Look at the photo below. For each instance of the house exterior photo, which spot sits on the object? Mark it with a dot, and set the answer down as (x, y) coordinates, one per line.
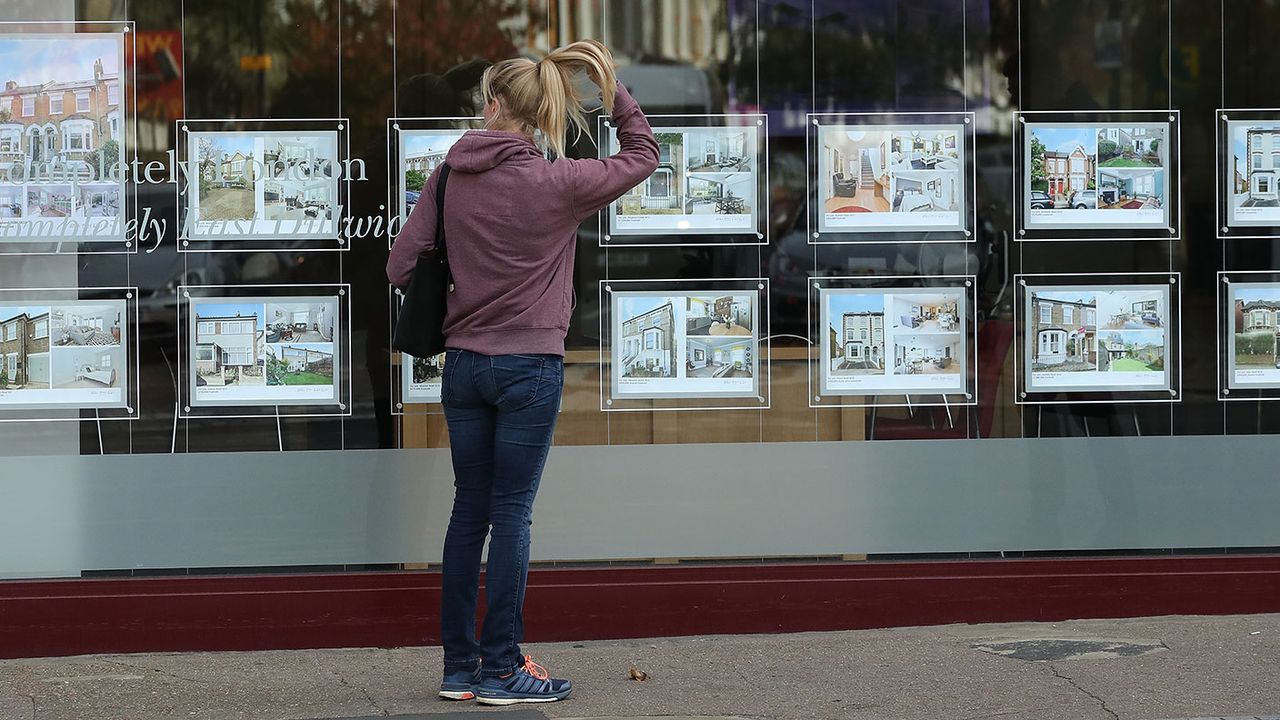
(24, 350)
(1063, 332)
(648, 343)
(1069, 172)
(59, 121)
(298, 359)
(425, 162)
(1258, 316)
(663, 189)
(862, 337)
(228, 342)
(233, 170)
(1263, 146)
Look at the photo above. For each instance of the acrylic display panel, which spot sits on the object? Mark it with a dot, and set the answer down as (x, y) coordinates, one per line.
(256, 350)
(684, 344)
(68, 349)
(891, 177)
(67, 138)
(1248, 178)
(263, 185)
(1248, 331)
(709, 188)
(415, 148)
(415, 382)
(892, 341)
(1098, 338)
(1097, 176)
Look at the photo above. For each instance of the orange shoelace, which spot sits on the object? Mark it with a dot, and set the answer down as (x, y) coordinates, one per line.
(535, 669)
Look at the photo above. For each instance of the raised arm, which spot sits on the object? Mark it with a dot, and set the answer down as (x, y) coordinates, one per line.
(417, 237)
(599, 182)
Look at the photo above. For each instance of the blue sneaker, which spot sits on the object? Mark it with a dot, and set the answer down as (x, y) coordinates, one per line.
(528, 684)
(460, 685)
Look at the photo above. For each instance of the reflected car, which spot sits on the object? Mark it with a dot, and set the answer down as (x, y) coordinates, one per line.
(1084, 199)
(1041, 201)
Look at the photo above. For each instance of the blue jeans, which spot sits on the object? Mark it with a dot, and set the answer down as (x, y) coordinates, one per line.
(502, 412)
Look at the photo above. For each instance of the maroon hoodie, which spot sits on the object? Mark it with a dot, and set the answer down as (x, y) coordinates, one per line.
(511, 224)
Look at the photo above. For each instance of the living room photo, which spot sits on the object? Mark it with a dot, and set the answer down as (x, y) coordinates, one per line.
(718, 315)
(855, 169)
(1133, 309)
(926, 312)
(87, 324)
(927, 354)
(720, 150)
(719, 358)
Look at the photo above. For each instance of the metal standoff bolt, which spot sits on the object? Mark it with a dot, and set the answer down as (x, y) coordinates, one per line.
(968, 396)
(817, 398)
(186, 294)
(399, 406)
(608, 288)
(128, 243)
(1173, 118)
(395, 125)
(1023, 394)
(608, 124)
(1173, 231)
(186, 129)
(342, 291)
(341, 241)
(1224, 116)
(126, 29)
(342, 406)
(759, 286)
(760, 398)
(967, 120)
(186, 243)
(1226, 391)
(759, 122)
(1173, 280)
(759, 236)
(815, 236)
(399, 292)
(814, 121)
(1226, 229)
(1022, 282)
(1173, 393)
(340, 126)
(186, 409)
(1226, 280)
(607, 238)
(817, 286)
(968, 283)
(129, 410)
(968, 233)
(1022, 120)
(1022, 231)
(609, 401)
(128, 296)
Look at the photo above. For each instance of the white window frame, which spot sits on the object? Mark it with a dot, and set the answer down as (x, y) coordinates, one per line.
(113, 93)
(1068, 315)
(82, 96)
(1046, 313)
(42, 329)
(55, 109)
(28, 106)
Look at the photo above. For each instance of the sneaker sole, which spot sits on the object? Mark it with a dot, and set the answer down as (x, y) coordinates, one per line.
(515, 701)
(457, 694)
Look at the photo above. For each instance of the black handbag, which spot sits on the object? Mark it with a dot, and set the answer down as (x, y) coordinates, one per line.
(420, 329)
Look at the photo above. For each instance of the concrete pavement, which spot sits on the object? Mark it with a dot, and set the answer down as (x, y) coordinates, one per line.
(1153, 668)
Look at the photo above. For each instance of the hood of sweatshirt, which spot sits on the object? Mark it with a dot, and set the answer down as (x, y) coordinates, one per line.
(480, 150)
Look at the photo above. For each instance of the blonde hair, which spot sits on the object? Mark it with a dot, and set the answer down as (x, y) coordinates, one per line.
(546, 95)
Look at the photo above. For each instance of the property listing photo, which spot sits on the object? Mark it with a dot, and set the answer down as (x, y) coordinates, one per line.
(855, 334)
(720, 150)
(300, 157)
(914, 150)
(925, 192)
(301, 322)
(50, 201)
(718, 194)
(646, 337)
(88, 368)
(722, 315)
(1062, 331)
(927, 354)
(226, 179)
(61, 105)
(1133, 309)
(421, 153)
(1131, 147)
(855, 170)
(1255, 165)
(927, 312)
(662, 193)
(12, 199)
(84, 324)
(230, 347)
(720, 358)
(1063, 168)
(24, 347)
(1130, 351)
(426, 370)
(300, 364)
(98, 200)
(1256, 322)
(1130, 189)
(298, 199)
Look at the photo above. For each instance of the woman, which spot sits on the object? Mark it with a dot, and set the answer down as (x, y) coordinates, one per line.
(511, 222)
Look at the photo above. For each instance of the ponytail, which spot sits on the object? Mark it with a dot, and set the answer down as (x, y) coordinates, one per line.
(546, 95)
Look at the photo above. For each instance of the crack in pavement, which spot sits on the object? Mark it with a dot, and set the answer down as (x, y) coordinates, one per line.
(367, 697)
(154, 670)
(1101, 703)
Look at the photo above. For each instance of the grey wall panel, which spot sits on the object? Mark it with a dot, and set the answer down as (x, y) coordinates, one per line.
(64, 514)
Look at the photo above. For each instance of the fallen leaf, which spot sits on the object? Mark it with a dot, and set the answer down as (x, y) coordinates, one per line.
(639, 675)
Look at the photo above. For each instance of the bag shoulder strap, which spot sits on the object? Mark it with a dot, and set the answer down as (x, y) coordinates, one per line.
(441, 183)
